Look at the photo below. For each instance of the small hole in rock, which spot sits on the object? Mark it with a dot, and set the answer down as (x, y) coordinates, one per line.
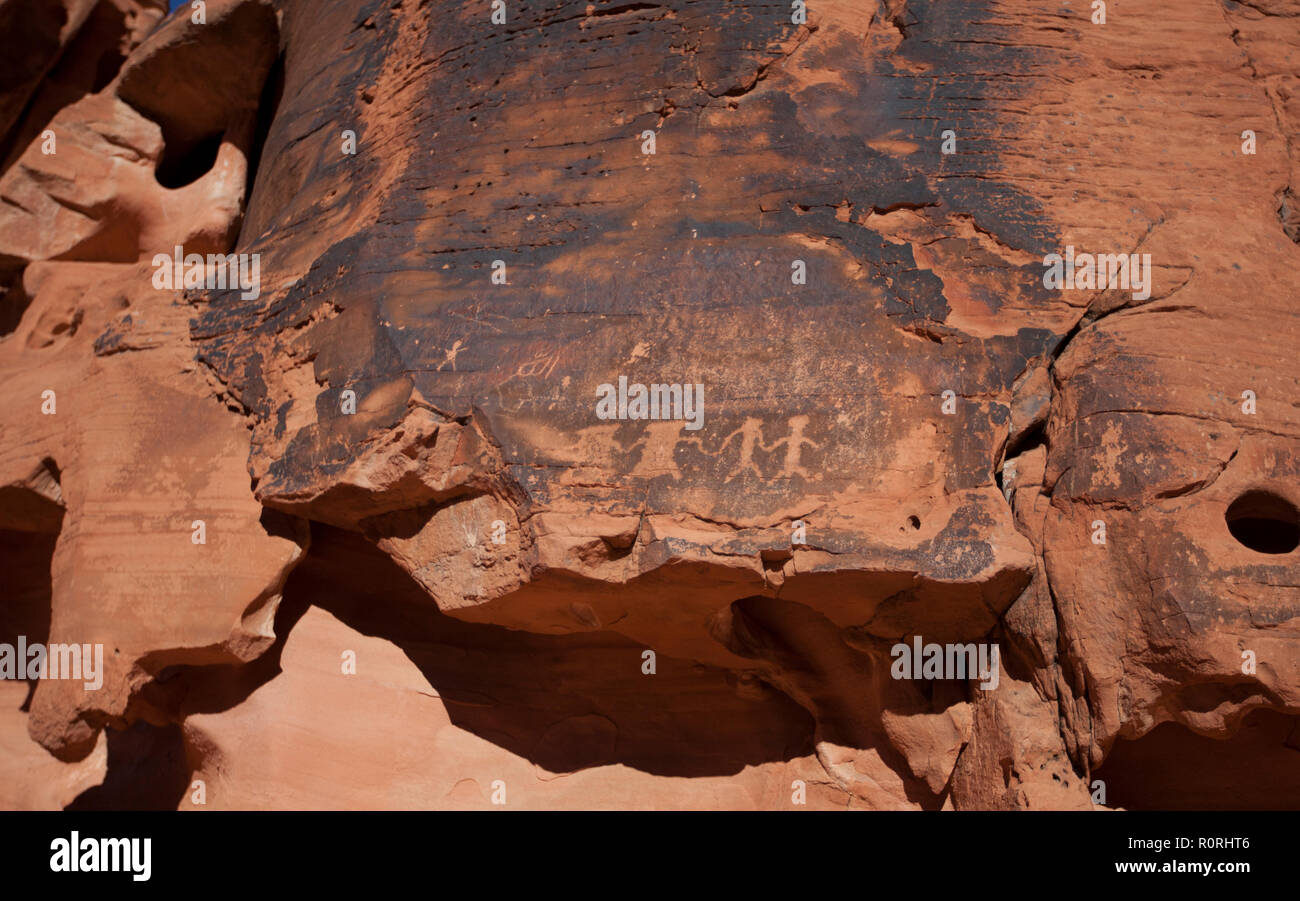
(13, 301)
(1264, 522)
(914, 522)
(185, 162)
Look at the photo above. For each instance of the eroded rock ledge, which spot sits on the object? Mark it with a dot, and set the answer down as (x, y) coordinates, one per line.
(416, 527)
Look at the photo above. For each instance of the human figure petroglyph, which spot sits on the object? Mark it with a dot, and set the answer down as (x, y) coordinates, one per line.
(794, 447)
(658, 450)
(751, 434)
(751, 437)
(451, 354)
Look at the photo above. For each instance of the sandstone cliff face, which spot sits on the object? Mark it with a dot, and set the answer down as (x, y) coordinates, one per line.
(358, 535)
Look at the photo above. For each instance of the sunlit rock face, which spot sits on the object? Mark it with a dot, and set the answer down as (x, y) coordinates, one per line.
(884, 405)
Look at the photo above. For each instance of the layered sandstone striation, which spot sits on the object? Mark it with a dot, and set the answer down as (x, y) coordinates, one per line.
(353, 534)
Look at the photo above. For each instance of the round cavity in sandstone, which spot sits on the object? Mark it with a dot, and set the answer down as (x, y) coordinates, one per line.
(1264, 522)
(186, 161)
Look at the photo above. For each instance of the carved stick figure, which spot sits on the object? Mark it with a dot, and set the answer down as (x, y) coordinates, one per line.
(751, 434)
(451, 356)
(793, 447)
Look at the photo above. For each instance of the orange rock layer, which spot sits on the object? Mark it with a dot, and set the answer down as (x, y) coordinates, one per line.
(366, 514)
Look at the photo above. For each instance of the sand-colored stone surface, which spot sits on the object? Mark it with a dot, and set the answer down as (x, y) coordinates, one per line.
(431, 564)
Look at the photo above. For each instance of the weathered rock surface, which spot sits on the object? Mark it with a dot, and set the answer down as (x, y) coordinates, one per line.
(130, 446)
(433, 576)
(57, 52)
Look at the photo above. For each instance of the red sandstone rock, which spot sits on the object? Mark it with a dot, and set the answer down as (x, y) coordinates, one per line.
(417, 523)
(58, 51)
